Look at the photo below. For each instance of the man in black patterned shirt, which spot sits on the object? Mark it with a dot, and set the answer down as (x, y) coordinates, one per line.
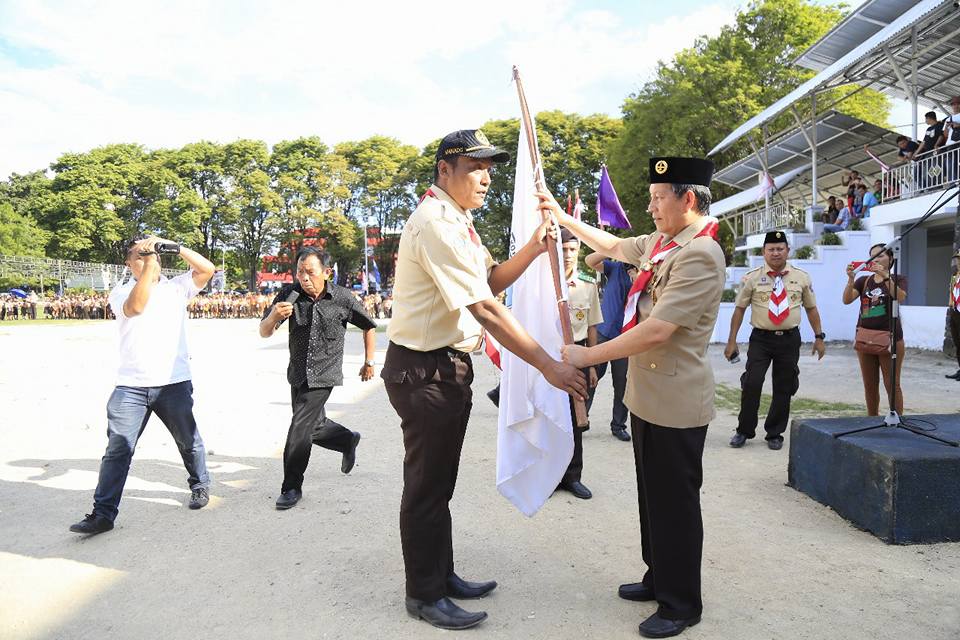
(320, 317)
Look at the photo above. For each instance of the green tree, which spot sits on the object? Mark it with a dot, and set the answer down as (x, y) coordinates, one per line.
(708, 90)
(200, 166)
(19, 233)
(254, 203)
(573, 148)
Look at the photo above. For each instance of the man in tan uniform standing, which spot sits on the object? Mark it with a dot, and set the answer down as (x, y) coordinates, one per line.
(774, 294)
(444, 299)
(583, 300)
(670, 315)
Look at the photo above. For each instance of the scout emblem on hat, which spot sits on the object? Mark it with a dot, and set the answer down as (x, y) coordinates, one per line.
(681, 171)
(774, 237)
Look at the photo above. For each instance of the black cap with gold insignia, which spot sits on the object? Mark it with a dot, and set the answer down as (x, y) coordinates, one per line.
(471, 143)
(681, 171)
(775, 237)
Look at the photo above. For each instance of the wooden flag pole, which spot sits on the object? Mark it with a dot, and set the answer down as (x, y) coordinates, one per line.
(580, 408)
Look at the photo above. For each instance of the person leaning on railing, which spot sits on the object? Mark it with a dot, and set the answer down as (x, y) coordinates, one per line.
(875, 292)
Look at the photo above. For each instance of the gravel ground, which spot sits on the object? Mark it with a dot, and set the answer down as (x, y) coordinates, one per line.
(776, 563)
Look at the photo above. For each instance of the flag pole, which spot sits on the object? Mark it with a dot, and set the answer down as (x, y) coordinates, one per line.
(580, 408)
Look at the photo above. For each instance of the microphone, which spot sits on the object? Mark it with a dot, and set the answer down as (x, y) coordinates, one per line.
(292, 298)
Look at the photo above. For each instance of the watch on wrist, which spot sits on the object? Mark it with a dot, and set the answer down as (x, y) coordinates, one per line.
(369, 363)
(820, 336)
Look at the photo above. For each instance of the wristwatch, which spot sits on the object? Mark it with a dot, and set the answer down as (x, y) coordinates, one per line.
(820, 336)
(369, 363)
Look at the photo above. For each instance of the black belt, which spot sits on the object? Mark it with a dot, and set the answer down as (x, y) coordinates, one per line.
(448, 351)
(780, 332)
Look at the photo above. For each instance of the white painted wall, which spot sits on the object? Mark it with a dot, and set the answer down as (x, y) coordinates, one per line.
(922, 326)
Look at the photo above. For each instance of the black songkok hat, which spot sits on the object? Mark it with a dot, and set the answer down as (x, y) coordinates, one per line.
(681, 171)
(471, 143)
(775, 237)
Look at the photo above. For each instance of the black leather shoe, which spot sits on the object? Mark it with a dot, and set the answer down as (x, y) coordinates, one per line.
(636, 591)
(444, 614)
(577, 488)
(350, 455)
(462, 589)
(775, 444)
(621, 434)
(92, 524)
(199, 498)
(289, 498)
(738, 440)
(657, 627)
(953, 376)
(494, 395)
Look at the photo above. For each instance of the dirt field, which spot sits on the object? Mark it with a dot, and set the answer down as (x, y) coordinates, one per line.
(776, 564)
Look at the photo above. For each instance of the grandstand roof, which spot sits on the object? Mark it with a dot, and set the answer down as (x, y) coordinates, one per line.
(883, 62)
(860, 24)
(840, 140)
(754, 194)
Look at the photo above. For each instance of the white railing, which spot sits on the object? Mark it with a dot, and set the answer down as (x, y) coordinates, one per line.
(85, 274)
(779, 216)
(930, 172)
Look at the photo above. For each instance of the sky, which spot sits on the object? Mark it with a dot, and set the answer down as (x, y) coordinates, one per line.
(76, 75)
(80, 74)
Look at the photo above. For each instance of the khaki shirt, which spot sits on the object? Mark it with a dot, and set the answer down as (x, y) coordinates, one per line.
(755, 289)
(584, 304)
(440, 272)
(671, 385)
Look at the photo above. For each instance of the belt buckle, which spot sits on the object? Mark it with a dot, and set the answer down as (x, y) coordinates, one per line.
(779, 333)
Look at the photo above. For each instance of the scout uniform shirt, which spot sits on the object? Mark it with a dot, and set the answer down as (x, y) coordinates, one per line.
(584, 304)
(442, 267)
(671, 385)
(755, 290)
(955, 292)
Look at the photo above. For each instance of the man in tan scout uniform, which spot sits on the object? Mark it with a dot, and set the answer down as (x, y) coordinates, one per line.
(953, 312)
(774, 294)
(583, 300)
(444, 299)
(670, 316)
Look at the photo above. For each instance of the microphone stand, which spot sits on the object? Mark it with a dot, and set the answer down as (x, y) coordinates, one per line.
(894, 419)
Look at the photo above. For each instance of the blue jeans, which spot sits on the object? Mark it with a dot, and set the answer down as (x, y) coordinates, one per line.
(833, 228)
(128, 410)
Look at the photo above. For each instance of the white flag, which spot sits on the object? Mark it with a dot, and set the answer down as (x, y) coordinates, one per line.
(534, 435)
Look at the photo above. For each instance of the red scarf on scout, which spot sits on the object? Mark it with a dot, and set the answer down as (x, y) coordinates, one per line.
(778, 308)
(955, 295)
(630, 312)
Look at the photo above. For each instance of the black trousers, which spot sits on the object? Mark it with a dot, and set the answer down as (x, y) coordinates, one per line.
(953, 317)
(618, 372)
(783, 352)
(430, 391)
(669, 475)
(575, 468)
(309, 424)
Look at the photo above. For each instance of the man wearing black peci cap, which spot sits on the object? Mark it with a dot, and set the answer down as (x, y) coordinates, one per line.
(669, 317)
(444, 299)
(774, 293)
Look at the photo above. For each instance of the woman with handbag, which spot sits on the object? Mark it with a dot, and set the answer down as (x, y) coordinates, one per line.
(872, 342)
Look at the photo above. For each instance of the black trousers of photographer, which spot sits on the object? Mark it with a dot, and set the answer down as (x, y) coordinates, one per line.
(310, 426)
(782, 350)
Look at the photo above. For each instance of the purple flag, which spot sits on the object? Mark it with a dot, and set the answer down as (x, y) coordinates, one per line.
(609, 210)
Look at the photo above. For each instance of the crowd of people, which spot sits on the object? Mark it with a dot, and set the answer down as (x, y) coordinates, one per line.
(229, 305)
(75, 306)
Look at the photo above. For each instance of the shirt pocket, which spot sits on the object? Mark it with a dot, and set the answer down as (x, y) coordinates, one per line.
(660, 364)
(795, 294)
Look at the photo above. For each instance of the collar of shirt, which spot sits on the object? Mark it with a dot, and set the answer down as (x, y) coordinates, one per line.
(689, 232)
(767, 268)
(442, 195)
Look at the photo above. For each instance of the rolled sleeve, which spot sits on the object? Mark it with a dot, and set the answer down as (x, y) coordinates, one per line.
(458, 271)
(692, 288)
(745, 295)
(808, 298)
(359, 317)
(632, 249)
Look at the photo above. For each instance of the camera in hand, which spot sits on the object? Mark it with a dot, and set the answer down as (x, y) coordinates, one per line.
(163, 248)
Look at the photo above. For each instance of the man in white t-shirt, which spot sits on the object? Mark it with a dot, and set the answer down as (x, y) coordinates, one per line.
(950, 141)
(153, 376)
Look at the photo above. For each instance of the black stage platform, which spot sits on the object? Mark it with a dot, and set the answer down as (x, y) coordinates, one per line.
(902, 487)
